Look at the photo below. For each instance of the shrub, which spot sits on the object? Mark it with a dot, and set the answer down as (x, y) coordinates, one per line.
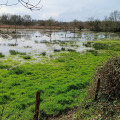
(56, 50)
(62, 49)
(1, 55)
(4, 66)
(27, 57)
(71, 50)
(13, 52)
(109, 76)
(43, 53)
(88, 44)
(101, 46)
(17, 70)
(107, 45)
(94, 52)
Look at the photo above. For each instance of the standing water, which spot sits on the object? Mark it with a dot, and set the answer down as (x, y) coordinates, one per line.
(38, 41)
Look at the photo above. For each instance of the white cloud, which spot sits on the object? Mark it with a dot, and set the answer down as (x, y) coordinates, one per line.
(66, 9)
(50, 14)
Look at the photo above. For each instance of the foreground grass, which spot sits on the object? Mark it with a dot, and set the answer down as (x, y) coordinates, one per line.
(102, 109)
(62, 82)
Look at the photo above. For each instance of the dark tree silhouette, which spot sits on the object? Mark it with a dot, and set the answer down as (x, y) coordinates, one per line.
(26, 3)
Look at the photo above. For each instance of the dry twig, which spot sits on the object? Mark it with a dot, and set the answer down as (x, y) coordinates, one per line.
(26, 4)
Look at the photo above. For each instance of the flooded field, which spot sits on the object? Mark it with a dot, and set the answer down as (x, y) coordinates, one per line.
(32, 60)
(36, 42)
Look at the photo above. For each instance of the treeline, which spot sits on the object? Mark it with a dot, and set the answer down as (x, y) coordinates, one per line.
(26, 20)
(7, 19)
(109, 24)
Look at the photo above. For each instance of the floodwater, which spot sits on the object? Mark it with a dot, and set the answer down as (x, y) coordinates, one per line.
(37, 41)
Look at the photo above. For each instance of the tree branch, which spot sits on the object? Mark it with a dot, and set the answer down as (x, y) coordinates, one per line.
(27, 4)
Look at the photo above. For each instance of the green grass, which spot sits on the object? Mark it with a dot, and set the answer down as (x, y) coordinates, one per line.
(107, 45)
(62, 82)
(104, 44)
(103, 109)
(94, 52)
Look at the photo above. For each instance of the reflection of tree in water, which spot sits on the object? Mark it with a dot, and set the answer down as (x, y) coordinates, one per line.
(5, 36)
(15, 36)
(27, 37)
(106, 36)
(50, 34)
(42, 32)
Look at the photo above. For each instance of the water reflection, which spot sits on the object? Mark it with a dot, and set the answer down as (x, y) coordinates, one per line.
(37, 41)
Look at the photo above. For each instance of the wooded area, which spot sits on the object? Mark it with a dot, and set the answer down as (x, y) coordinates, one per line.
(109, 24)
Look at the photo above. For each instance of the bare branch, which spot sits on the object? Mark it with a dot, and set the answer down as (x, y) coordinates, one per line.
(27, 4)
(6, 4)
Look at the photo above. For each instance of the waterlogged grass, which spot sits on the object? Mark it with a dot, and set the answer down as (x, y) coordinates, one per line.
(107, 45)
(104, 44)
(62, 82)
(13, 52)
(27, 57)
(103, 109)
(1, 55)
(43, 53)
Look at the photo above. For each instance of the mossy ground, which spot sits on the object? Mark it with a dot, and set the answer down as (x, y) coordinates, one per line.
(63, 83)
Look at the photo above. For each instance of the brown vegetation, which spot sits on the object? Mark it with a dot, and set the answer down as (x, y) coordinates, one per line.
(109, 77)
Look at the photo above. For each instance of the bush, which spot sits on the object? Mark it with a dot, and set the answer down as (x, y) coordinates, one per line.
(109, 76)
(27, 57)
(13, 52)
(62, 49)
(101, 46)
(17, 70)
(1, 55)
(88, 44)
(56, 50)
(71, 50)
(94, 52)
(43, 53)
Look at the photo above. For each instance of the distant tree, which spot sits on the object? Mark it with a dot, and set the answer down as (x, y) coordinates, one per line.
(115, 16)
(97, 25)
(14, 19)
(90, 23)
(74, 24)
(106, 24)
(4, 19)
(115, 21)
(109, 24)
(27, 20)
(81, 25)
(50, 22)
(41, 22)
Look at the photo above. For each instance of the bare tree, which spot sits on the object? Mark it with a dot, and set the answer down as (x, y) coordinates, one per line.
(26, 3)
(115, 16)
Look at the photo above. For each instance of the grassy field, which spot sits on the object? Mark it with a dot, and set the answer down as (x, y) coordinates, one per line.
(63, 83)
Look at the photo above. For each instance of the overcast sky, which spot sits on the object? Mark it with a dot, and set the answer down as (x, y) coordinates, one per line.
(66, 10)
